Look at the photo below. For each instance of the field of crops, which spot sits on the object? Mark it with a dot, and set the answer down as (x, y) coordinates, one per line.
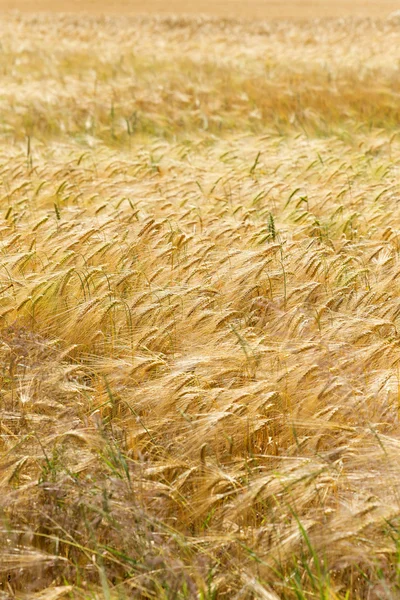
(199, 308)
(250, 9)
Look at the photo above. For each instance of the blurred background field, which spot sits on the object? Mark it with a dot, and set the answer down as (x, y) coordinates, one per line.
(250, 9)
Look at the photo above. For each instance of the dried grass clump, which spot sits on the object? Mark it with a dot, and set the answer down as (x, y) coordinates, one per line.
(199, 310)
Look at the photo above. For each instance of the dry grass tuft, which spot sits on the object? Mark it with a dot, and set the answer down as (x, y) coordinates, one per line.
(199, 309)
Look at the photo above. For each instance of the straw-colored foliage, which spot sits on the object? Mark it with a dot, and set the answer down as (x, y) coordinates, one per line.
(199, 309)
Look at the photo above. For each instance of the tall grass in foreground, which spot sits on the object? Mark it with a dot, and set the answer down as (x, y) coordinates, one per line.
(199, 310)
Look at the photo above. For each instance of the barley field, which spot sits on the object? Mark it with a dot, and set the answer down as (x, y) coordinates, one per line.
(199, 308)
(250, 9)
